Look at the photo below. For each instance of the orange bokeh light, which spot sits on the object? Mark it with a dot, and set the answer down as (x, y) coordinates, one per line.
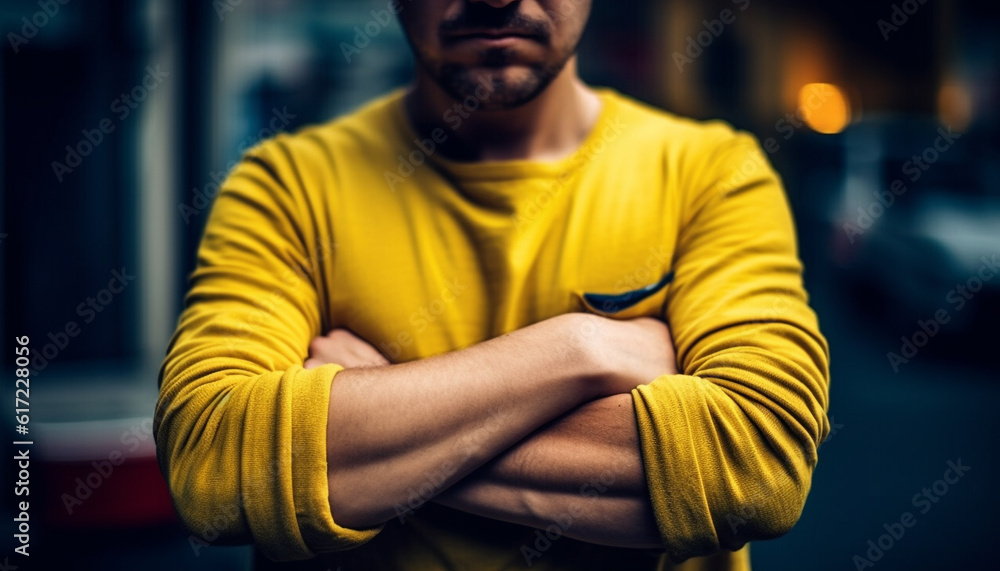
(824, 107)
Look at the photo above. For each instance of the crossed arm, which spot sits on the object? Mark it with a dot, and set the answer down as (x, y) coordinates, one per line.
(533, 427)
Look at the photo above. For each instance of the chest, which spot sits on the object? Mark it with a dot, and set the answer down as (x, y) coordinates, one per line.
(428, 277)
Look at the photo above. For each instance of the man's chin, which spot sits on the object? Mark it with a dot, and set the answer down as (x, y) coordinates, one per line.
(497, 88)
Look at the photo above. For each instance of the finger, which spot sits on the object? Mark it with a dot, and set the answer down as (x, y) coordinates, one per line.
(369, 354)
(340, 332)
(311, 364)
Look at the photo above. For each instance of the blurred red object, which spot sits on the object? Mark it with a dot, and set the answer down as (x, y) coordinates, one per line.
(100, 474)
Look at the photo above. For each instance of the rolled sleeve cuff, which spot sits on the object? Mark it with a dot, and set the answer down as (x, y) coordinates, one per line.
(300, 486)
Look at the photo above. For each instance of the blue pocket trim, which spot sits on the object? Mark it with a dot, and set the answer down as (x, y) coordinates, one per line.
(613, 303)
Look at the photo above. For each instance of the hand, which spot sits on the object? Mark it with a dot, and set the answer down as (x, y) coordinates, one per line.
(633, 352)
(344, 348)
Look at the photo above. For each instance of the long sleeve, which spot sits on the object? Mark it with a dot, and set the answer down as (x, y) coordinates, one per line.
(240, 425)
(729, 445)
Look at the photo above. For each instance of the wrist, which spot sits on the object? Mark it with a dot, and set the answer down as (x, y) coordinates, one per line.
(584, 361)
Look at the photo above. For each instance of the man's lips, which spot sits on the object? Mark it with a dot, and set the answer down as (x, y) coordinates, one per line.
(491, 35)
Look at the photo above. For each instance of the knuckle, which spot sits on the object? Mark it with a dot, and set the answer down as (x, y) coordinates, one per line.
(340, 335)
(316, 344)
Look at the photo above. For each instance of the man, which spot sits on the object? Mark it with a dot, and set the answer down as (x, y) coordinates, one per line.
(495, 255)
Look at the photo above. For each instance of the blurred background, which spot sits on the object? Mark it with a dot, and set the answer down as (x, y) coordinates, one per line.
(119, 118)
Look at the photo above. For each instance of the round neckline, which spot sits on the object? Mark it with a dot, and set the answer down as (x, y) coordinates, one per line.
(513, 168)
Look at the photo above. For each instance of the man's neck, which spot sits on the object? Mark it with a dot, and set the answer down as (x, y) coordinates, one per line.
(549, 127)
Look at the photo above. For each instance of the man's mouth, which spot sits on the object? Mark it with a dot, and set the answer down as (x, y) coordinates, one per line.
(491, 35)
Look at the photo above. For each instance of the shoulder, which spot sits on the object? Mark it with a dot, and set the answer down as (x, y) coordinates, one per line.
(703, 159)
(341, 141)
(681, 138)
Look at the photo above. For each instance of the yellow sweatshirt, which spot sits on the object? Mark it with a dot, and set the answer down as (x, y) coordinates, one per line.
(359, 223)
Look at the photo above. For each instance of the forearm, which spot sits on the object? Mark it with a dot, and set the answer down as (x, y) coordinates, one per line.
(582, 473)
(392, 430)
